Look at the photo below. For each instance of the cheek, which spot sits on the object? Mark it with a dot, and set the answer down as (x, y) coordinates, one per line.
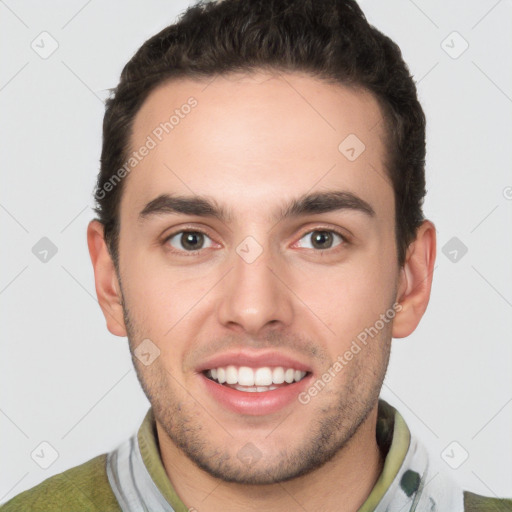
(163, 300)
(156, 286)
(351, 296)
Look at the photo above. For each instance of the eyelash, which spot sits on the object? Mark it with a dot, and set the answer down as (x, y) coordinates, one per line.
(343, 243)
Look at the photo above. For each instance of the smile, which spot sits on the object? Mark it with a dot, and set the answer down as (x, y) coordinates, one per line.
(244, 378)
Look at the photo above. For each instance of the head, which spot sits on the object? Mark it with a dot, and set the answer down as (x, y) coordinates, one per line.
(286, 139)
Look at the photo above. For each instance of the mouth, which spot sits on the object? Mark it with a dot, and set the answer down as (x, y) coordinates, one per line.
(255, 380)
(254, 391)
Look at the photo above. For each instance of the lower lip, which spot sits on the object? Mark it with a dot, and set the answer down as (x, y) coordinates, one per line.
(257, 403)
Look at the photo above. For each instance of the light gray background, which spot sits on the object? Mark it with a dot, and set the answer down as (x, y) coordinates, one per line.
(67, 381)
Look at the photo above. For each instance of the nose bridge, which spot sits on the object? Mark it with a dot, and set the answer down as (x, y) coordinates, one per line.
(254, 297)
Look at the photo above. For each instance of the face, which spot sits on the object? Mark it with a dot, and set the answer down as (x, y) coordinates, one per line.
(254, 250)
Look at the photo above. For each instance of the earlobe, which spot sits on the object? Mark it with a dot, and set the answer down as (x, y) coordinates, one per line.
(105, 278)
(416, 280)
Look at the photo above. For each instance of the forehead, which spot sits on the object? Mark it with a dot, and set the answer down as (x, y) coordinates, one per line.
(258, 138)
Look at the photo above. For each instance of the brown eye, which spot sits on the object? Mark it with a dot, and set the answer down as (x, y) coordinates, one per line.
(322, 239)
(189, 240)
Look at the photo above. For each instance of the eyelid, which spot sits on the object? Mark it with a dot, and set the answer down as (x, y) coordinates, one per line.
(191, 226)
(343, 232)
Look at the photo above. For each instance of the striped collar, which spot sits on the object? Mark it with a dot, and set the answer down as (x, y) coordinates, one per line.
(408, 482)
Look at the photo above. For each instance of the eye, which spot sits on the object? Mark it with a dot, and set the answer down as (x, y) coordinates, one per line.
(323, 239)
(189, 241)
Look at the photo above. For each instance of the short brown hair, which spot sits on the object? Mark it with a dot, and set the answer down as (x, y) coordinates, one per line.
(328, 39)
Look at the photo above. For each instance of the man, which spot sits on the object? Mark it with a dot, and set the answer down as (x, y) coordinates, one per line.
(260, 239)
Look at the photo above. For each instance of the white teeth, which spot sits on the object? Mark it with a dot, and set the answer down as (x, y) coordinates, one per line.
(231, 375)
(289, 375)
(247, 389)
(255, 378)
(263, 376)
(278, 375)
(245, 376)
(253, 389)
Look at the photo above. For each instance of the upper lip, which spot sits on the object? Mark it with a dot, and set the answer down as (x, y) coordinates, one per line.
(253, 360)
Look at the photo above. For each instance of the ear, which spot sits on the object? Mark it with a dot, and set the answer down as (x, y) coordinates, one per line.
(105, 278)
(415, 280)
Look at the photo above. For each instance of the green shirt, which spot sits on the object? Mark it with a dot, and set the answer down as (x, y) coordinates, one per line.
(87, 487)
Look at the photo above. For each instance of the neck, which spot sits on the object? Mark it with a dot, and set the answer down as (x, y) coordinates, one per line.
(347, 479)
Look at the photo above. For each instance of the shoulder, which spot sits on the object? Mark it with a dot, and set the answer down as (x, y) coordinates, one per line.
(476, 503)
(84, 487)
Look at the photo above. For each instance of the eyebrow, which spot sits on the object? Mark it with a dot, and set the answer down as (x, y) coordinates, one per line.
(315, 203)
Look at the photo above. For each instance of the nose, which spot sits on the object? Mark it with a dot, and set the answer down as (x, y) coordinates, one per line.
(254, 295)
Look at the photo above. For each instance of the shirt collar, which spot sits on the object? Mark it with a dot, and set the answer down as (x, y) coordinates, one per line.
(393, 438)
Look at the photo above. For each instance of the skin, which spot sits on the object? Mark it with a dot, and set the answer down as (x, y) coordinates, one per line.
(253, 143)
